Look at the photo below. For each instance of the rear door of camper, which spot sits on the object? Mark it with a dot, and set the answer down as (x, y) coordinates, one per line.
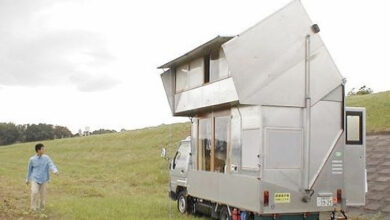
(355, 156)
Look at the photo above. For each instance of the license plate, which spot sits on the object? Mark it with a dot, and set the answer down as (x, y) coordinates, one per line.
(324, 201)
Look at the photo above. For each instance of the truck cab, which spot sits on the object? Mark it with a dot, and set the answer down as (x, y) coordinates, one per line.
(179, 168)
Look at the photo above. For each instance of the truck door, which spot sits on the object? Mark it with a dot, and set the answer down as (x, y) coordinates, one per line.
(181, 160)
(355, 177)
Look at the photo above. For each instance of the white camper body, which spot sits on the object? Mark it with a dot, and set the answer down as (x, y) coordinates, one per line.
(270, 132)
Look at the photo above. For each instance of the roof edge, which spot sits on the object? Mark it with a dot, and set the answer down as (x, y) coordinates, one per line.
(198, 51)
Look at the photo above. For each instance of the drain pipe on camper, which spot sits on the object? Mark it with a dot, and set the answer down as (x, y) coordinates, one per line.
(307, 118)
(307, 122)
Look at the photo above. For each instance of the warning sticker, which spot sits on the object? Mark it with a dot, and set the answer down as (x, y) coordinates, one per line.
(282, 198)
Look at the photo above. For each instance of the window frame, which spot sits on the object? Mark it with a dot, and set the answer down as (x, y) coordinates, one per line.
(211, 116)
(217, 54)
(228, 140)
(187, 86)
(360, 115)
(206, 72)
(199, 147)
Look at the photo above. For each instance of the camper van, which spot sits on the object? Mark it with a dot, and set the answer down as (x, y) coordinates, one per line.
(271, 137)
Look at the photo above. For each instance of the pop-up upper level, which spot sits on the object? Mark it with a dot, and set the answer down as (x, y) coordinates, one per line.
(271, 63)
(199, 79)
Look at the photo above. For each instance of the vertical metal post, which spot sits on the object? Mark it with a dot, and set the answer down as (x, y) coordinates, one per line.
(307, 116)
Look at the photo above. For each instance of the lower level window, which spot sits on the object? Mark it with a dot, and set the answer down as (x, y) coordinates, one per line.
(204, 160)
(222, 129)
(214, 135)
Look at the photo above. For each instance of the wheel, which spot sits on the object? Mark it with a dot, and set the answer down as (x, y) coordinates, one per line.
(224, 214)
(182, 203)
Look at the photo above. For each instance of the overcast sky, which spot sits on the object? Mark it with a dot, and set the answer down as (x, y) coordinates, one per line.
(92, 63)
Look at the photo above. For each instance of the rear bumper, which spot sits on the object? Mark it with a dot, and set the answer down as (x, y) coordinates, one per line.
(312, 216)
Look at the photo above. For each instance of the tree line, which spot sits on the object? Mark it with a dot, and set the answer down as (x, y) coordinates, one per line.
(11, 133)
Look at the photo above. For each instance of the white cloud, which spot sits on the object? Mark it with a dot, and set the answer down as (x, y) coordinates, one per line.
(35, 55)
(88, 83)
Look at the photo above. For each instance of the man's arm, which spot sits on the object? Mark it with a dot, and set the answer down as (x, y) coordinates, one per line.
(52, 167)
(29, 170)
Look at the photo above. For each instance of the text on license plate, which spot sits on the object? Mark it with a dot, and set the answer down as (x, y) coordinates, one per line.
(324, 201)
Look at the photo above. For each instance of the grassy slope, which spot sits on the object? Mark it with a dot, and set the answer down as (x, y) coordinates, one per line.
(115, 176)
(378, 110)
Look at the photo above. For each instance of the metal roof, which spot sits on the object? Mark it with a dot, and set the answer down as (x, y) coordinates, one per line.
(202, 50)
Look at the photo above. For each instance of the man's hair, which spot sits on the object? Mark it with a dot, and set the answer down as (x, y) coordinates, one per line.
(38, 147)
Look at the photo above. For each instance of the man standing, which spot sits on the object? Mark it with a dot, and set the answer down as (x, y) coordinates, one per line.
(38, 174)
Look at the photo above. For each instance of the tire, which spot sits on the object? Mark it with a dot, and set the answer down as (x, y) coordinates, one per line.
(224, 214)
(182, 202)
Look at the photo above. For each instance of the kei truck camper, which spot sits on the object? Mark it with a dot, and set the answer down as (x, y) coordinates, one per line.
(271, 137)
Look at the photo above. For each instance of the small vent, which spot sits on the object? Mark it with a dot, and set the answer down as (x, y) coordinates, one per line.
(337, 167)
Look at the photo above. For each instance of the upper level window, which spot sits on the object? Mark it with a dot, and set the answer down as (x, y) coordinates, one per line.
(203, 70)
(354, 128)
(218, 65)
(189, 75)
(181, 78)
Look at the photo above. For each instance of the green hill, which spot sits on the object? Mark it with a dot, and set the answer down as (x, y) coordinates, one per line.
(113, 176)
(377, 109)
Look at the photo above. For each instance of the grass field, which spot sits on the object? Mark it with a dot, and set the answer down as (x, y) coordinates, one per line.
(114, 176)
(378, 110)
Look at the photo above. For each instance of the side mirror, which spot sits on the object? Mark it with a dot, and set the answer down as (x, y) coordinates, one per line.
(163, 153)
